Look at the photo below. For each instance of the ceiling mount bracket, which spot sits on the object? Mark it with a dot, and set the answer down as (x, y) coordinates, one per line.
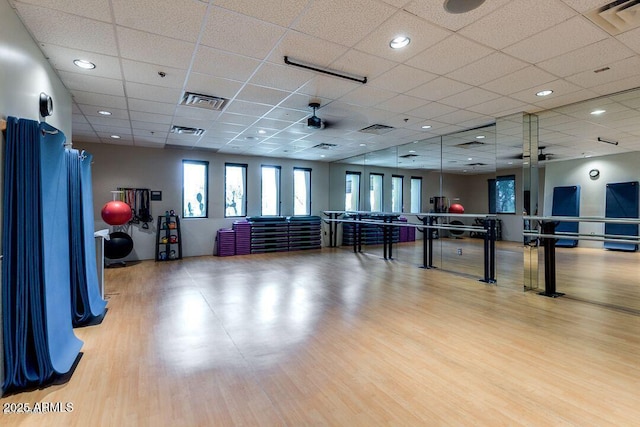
(362, 80)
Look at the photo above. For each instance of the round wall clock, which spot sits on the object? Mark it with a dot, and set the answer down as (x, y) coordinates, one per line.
(46, 105)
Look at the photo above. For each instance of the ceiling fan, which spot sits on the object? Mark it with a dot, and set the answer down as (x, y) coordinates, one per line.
(542, 156)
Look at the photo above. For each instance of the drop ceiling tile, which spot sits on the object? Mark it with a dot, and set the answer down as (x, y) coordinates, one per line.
(570, 98)
(328, 87)
(631, 39)
(209, 85)
(559, 87)
(104, 101)
(151, 134)
(402, 78)
(360, 64)
(402, 103)
(459, 116)
(142, 72)
(70, 30)
(151, 117)
(92, 110)
(272, 124)
(517, 81)
(82, 128)
(86, 138)
(431, 110)
(303, 48)
(150, 127)
(487, 69)
(197, 113)
(280, 12)
(89, 83)
(262, 95)
(62, 59)
(112, 130)
(439, 60)
(367, 96)
(94, 9)
(233, 32)
(617, 86)
(341, 22)
(153, 93)
(619, 70)
(468, 98)
(78, 119)
(517, 20)
(151, 106)
(499, 107)
(439, 88)
(227, 65)
(434, 12)
(286, 114)
(554, 41)
(179, 19)
(142, 46)
(280, 77)
(422, 34)
(588, 58)
(585, 5)
(248, 109)
(147, 142)
(233, 118)
(108, 122)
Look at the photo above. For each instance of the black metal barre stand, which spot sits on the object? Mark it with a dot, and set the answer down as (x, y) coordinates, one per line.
(427, 241)
(549, 244)
(489, 251)
(333, 227)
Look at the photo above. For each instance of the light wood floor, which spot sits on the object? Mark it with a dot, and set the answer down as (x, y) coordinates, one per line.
(333, 338)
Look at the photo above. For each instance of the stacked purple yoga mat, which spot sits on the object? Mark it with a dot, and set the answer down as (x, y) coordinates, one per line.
(226, 242)
(243, 237)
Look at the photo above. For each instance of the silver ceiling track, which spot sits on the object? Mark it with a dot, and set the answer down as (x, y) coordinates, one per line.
(362, 80)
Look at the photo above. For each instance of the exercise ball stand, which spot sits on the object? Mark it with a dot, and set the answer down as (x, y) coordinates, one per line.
(118, 244)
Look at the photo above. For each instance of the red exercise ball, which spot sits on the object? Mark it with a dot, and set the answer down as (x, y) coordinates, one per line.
(456, 208)
(116, 213)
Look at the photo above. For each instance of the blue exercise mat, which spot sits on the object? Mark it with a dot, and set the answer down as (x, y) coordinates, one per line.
(621, 202)
(86, 302)
(38, 336)
(566, 202)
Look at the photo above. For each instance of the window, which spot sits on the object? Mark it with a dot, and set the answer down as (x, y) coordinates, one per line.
(416, 194)
(195, 175)
(301, 191)
(235, 189)
(270, 190)
(502, 194)
(396, 193)
(352, 193)
(375, 192)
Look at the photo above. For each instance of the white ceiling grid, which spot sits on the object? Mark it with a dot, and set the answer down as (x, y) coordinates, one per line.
(459, 71)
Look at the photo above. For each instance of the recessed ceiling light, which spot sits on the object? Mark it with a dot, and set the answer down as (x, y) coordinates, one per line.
(399, 42)
(598, 112)
(115, 136)
(104, 113)
(322, 155)
(363, 145)
(480, 137)
(469, 158)
(86, 65)
(464, 170)
(262, 131)
(426, 127)
(510, 163)
(545, 92)
(412, 151)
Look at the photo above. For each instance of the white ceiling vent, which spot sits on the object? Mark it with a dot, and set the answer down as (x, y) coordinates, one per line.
(199, 100)
(377, 129)
(183, 130)
(617, 17)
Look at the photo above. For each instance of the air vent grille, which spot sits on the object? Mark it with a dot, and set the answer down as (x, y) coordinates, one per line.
(617, 17)
(377, 129)
(408, 156)
(199, 100)
(476, 164)
(325, 146)
(183, 130)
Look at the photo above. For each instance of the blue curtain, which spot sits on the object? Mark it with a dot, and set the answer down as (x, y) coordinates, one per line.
(38, 336)
(87, 305)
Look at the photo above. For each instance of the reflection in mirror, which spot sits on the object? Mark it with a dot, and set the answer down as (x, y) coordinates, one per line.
(574, 141)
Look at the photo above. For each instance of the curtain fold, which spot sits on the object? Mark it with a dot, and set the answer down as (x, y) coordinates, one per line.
(37, 331)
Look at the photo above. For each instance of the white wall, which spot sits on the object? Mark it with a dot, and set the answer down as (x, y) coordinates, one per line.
(613, 168)
(161, 169)
(24, 73)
